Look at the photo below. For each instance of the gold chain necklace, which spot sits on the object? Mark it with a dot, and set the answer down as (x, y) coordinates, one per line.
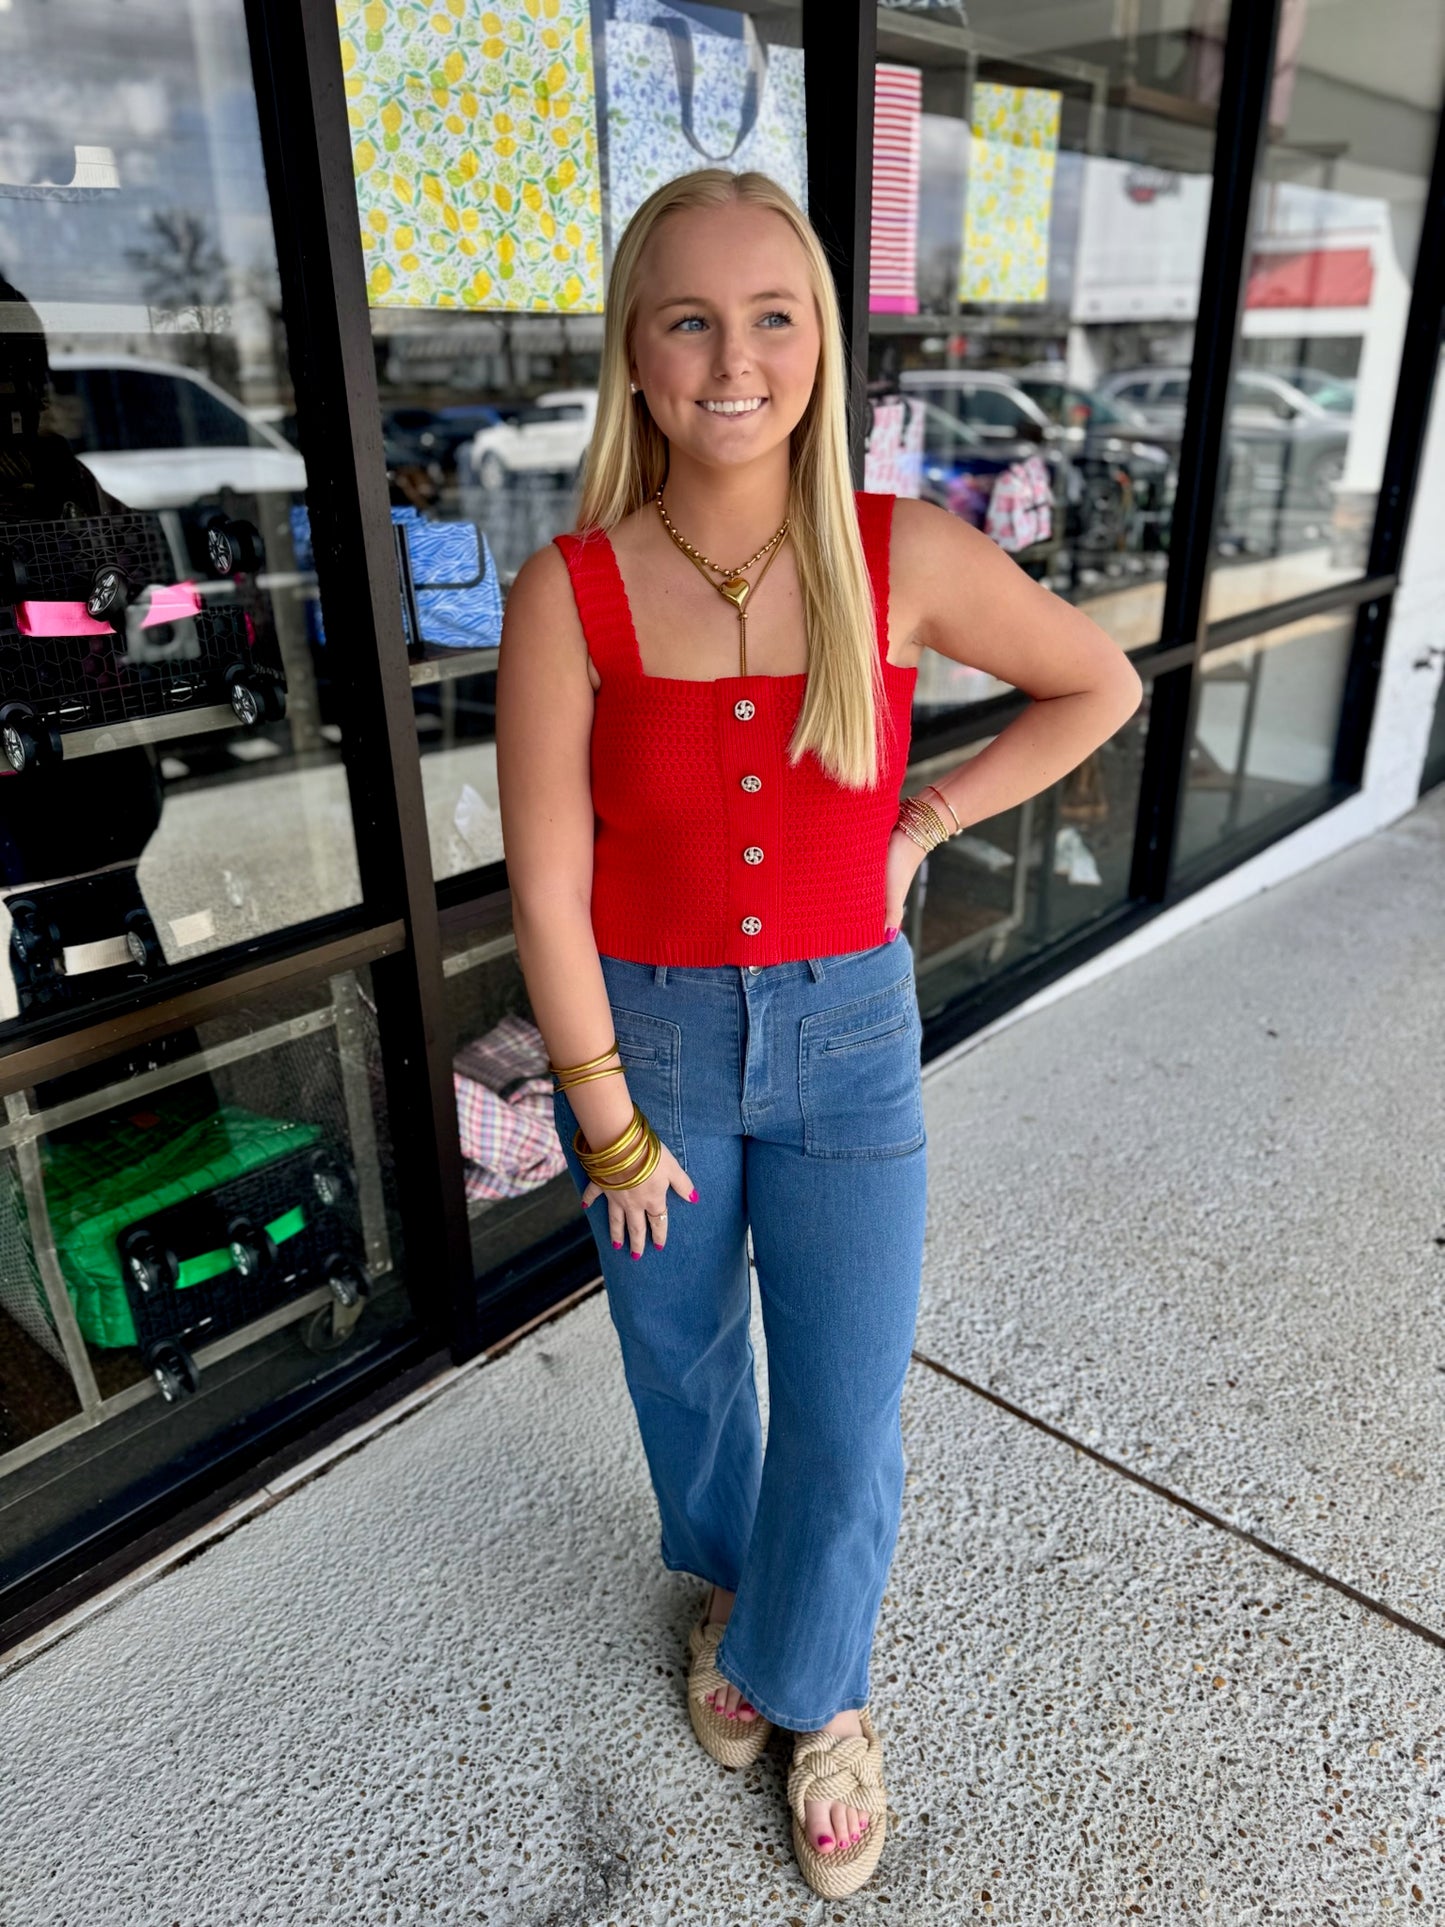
(736, 586)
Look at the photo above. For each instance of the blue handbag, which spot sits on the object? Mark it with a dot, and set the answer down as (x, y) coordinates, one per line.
(451, 594)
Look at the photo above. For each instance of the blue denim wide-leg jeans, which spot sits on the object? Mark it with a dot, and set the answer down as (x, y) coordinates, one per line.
(791, 1095)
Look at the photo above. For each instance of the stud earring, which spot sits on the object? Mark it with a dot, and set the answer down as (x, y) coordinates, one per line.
(634, 388)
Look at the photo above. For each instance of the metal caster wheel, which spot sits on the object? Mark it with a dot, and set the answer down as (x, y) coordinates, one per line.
(110, 592)
(173, 1369)
(232, 548)
(142, 941)
(151, 1265)
(24, 740)
(253, 1249)
(331, 1180)
(328, 1329)
(247, 702)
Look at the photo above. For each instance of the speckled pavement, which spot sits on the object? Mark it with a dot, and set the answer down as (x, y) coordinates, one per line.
(444, 1681)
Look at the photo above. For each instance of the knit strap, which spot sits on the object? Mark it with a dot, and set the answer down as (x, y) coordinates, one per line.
(601, 598)
(875, 526)
(830, 1766)
(601, 594)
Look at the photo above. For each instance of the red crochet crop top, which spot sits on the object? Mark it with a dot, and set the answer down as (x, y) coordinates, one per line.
(709, 847)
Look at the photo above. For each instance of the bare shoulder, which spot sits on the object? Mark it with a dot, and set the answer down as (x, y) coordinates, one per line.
(919, 543)
(966, 599)
(542, 610)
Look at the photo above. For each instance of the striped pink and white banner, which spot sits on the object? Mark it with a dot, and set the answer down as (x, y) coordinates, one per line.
(897, 105)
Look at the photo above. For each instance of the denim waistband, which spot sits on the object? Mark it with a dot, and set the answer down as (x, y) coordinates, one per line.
(779, 973)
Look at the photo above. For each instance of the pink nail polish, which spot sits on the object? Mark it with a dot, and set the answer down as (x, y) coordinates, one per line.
(694, 1194)
(824, 1840)
(637, 1254)
(617, 1244)
(890, 935)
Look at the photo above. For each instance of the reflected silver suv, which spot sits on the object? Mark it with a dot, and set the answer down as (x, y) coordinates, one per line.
(1289, 445)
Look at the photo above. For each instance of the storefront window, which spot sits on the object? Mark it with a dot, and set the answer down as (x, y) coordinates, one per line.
(202, 1226)
(1003, 890)
(1041, 187)
(1334, 237)
(171, 781)
(190, 1232)
(499, 153)
(1265, 728)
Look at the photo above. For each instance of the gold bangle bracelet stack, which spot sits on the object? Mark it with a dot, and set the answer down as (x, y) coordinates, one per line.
(922, 824)
(615, 1166)
(582, 1073)
(612, 1165)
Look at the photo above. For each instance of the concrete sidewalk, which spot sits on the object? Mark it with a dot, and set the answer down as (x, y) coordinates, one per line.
(1165, 1637)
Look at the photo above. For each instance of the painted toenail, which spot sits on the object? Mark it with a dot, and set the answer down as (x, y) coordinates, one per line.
(825, 1840)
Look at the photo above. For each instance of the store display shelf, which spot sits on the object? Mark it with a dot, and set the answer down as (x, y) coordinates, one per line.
(106, 737)
(26, 1124)
(143, 1391)
(447, 665)
(478, 954)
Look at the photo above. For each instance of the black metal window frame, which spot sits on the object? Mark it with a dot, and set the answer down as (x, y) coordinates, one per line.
(397, 929)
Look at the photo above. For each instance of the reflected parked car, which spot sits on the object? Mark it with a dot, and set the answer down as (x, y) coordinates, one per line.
(1334, 392)
(959, 470)
(547, 436)
(1128, 477)
(156, 435)
(436, 437)
(1118, 486)
(1292, 447)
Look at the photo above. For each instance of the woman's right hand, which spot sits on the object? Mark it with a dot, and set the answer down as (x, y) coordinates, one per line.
(627, 1208)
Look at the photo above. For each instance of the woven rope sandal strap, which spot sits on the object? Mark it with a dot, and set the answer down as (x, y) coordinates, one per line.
(826, 1767)
(704, 1677)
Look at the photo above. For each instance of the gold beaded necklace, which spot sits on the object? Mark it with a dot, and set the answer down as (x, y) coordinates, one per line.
(735, 586)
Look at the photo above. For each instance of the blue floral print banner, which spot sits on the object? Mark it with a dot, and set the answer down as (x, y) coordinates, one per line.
(697, 88)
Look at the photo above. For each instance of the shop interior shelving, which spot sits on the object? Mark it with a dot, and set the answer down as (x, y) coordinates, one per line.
(25, 1125)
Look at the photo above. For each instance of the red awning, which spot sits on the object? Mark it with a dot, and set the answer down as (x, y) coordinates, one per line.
(1314, 278)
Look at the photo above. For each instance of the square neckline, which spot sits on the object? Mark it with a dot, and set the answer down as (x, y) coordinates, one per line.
(753, 675)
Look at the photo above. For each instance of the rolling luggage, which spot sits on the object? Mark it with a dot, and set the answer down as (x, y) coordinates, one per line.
(182, 1221)
(95, 630)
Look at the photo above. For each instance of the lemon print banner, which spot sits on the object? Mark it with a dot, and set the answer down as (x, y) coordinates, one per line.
(1010, 194)
(474, 140)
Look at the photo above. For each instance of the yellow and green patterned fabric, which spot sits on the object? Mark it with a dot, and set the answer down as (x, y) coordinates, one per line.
(474, 142)
(1009, 202)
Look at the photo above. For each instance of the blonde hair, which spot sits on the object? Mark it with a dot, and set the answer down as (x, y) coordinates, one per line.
(627, 461)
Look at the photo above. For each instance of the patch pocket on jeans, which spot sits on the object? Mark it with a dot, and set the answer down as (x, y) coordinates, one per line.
(859, 1083)
(651, 1052)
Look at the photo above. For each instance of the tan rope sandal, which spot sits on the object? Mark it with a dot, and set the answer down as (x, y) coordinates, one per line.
(828, 1766)
(731, 1742)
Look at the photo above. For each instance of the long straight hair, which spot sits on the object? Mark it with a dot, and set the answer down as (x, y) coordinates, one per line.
(627, 462)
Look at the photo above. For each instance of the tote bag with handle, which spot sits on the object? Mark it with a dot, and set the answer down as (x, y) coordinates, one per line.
(696, 86)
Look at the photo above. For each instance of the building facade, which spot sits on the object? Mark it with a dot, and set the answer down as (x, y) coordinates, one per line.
(301, 310)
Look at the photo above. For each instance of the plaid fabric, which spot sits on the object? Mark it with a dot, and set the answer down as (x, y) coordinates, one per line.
(504, 1111)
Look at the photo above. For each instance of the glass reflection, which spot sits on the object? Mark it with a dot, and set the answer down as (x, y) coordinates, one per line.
(488, 200)
(1040, 193)
(1265, 727)
(1334, 236)
(171, 780)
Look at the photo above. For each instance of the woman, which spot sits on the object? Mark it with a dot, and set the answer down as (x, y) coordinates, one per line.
(708, 859)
